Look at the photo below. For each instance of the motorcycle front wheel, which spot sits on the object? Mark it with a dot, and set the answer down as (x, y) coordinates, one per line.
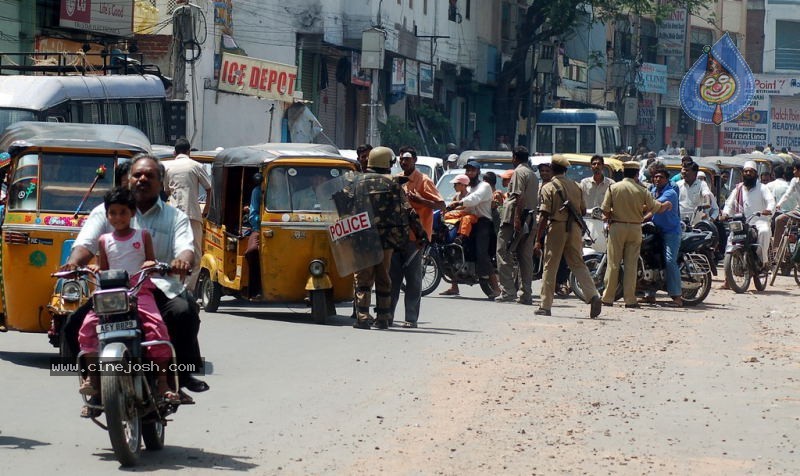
(697, 293)
(760, 279)
(737, 273)
(122, 419)
(153, 435)
(598, 276)
(431, 273)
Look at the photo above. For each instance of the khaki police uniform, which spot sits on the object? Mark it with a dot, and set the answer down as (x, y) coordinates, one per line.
(523, 194)
(564, 237)
(625, 202)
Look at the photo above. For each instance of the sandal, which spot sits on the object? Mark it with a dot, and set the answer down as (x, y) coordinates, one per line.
(90, 412)
(172, 397)
(185, 399)
(87, 388)
(449, 292)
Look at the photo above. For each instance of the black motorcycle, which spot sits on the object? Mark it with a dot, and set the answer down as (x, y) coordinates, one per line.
(742, 257)
(447, 258)
(695, 256)
(128, 388)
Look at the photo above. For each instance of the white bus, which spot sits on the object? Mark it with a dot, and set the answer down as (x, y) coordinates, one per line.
(577, 131)
(136, 100)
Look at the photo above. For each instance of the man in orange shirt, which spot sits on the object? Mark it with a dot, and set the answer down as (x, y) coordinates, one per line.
(407, 262)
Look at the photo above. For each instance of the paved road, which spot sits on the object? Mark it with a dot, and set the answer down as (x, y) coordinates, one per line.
(479, 388)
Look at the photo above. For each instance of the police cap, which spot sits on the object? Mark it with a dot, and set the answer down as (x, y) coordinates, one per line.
(559, 159)
(631, 164)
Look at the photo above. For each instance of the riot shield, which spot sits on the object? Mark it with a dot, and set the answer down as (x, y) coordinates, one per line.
(347, 211)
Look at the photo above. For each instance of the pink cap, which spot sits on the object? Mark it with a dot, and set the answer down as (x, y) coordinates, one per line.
(461, 178)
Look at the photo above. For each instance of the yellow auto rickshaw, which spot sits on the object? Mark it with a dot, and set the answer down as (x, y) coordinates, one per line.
(295, 258)
(59, 172)
(580, 167)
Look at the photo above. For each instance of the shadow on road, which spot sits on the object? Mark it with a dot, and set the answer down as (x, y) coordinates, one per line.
(14, 443)
(178, 457)
(38, 360)
(268, 313)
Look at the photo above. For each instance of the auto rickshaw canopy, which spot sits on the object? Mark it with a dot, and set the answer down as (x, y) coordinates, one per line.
(261, 154)
(26, 135)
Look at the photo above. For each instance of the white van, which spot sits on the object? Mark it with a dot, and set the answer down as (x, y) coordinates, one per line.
(577, 131)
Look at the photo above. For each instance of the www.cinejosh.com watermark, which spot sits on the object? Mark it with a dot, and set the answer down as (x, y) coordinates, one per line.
(69, 367)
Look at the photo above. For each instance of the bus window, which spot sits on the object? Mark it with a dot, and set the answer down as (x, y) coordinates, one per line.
(544, 139)
(587, 139)
(24, 186)
(154, 119)
(566, 140)
(608, 140)
(10, 116)
(113, 113)
(90, 113)
(132, 116)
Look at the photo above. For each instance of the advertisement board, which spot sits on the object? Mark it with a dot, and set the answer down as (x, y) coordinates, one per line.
(672, 34)
(652, 78)
(106, 17)
(259, 78)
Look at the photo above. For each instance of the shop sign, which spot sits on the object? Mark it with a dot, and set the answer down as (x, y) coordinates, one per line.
(106, 17)
(259, 78)
(652, 78)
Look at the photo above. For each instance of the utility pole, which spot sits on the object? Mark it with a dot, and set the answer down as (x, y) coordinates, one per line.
(373, 47)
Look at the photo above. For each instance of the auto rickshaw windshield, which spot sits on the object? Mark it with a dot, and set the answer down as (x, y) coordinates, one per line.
(58, 182)
(292, 188)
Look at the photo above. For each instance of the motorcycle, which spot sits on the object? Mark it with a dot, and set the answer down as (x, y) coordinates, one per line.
(128, 389)
(699, 221)
(446, 258)
(693, 261)
(742, 255)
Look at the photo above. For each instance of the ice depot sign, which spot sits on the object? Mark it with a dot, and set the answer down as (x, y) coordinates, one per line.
(772, 117)
(254, 77)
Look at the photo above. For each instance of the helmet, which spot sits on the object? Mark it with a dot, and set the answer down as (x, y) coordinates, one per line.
(380, 157)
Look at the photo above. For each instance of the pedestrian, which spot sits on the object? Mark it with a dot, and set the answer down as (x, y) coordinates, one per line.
(693, 193)
(623, 208)
(751, 197)
(424, 198)
(559, 209)
(594, 188)
(252, 254)
(475, 144)
(516, 235)
(668, 226)
(183, 180)
(391, 212)
(562, 275)
(362, 154)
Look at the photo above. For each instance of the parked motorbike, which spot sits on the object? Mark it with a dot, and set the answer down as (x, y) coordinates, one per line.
(699, 221)
(446, 258)
(693, 261)
(128, 390)
(742, 255)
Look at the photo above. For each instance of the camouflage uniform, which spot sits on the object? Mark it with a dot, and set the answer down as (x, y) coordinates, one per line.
(393, 218)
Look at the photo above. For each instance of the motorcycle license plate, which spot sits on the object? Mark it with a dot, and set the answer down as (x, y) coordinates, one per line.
(116, 326)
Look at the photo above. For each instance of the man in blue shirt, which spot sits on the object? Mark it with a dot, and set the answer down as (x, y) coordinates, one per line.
(251, 255)
(668, 225)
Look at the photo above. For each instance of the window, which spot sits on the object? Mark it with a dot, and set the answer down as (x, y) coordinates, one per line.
(154, 120)
(544, 139)
(452, 11)
(787, 45)
(10, 116)
(647, 41)
(700, 37)
(23, 189)
(66, 178)
(424, 7)
(587, 139)
(608, 140)
(113, 113)
(294, 188)
(566, 140)
(132, 116)
(90, 113)
(468, 9)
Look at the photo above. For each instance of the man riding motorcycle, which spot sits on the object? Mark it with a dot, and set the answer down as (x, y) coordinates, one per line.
(748, 198)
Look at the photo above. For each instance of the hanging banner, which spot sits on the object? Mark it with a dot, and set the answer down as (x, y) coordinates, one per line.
(259, 78)
(358, 76)
(426, 80)
(398, 77)
(412, 78)
(106, 17)
(719, 86)
(672, 34)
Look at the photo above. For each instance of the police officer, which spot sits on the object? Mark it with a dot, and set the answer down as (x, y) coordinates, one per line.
(392, 217)
(516, 235)
(564, 236)
(623, 207)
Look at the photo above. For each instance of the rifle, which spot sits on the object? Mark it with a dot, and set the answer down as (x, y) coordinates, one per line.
(571, 211)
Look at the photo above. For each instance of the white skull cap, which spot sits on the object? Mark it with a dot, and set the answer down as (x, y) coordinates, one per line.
(750, 165)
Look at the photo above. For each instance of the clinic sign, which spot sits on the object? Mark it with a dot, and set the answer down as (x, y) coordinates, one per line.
(652, 78)
(108, 17)
(259, 78)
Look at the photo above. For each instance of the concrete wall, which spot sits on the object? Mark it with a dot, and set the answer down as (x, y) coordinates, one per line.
(786, 10)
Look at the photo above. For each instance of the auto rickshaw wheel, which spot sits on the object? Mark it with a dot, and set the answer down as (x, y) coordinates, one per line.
(320, 306)
(210, 292)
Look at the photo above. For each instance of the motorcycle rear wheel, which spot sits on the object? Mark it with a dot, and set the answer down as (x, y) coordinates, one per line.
(153, 434)
(122, 419)
(760, 279)
(736, 268)
(431, 273)
(693, 297)
(486, 287)
(598, 276)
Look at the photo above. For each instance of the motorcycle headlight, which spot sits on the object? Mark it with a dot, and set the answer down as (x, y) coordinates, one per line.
(111, 302)
(736, 226)
(316, 268)
(71, 292)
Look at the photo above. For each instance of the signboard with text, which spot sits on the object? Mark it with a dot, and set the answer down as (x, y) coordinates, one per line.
(98, 16)
(259, 78)
(652, 78)
(672, 34)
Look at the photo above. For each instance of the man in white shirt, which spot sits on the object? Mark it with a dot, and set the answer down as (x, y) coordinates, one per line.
(693, 192)
(789, 202)
(673, 148)
(778, 186)
(751, 197)
(594, 188)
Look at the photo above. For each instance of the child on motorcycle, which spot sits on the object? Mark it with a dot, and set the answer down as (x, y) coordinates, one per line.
(132, 250)
(467, 220)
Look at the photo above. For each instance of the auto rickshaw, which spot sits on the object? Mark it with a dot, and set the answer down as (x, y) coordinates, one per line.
(295, 258)
(489, 159)
(59, 173)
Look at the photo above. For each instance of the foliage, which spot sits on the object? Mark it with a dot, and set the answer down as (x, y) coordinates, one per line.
(398, 132)
(438, 126)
